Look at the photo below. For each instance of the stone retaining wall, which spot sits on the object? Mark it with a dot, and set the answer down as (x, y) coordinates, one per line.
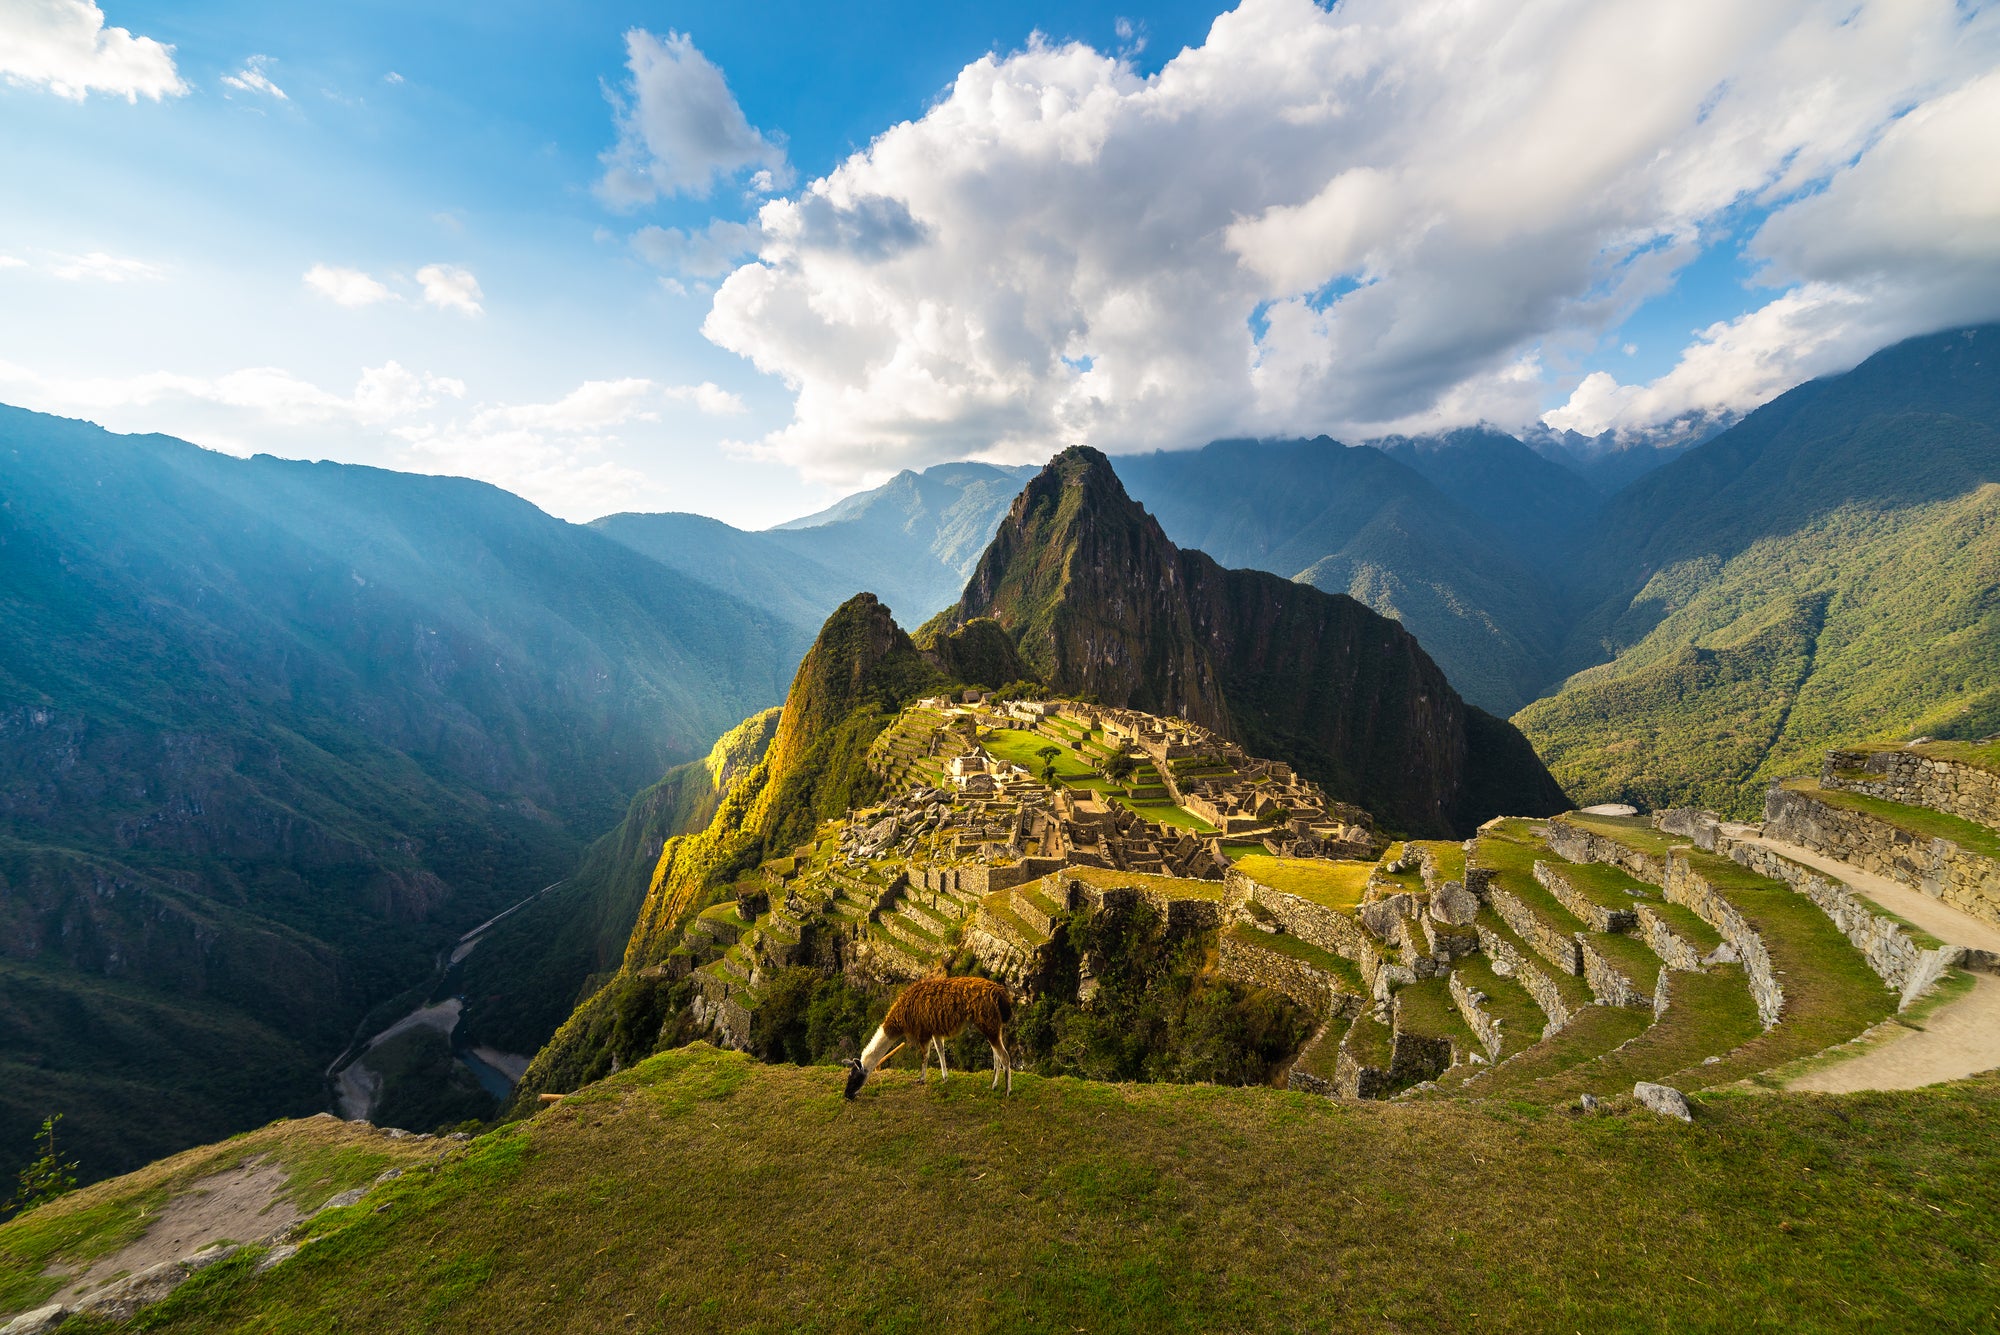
(1885, 943)
(1675, 951)
(1608, 982)
(1577, 844)
(1595, 915)
(1246, 963)
(1686, 886)
(1558, 948)
(1484, 1024)
(1511, 963)
(1917, 780)
(1938, 867)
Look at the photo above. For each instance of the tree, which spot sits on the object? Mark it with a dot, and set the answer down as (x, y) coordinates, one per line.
(47, 1176)
(1120, 767)
(1048, 755)
(1049, 775)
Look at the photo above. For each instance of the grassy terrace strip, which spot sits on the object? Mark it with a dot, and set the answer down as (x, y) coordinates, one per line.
(1147, 1208)
(1711, 1014)
(1687, 924)
(322, 1156)
(1426, 1007)
(1513, 864)
(1284, 943)
(1450, 857)
(1371, 1041)
(1920, 821)
(1606, 885)
(1831, 994)
(1411, 880)
(1521, 1020)
(1595, 1031)
(1333, 885)
(1631, 831)
(1322, 1058)
(1166, 813)
(1574, 990)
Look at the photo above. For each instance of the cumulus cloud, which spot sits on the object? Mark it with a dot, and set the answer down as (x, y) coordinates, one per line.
(346, 287)
(680, 128)
(253, 79)
(64, 47)
(450, 288)
(707, 252)
(1903, 241)
(1340, 219)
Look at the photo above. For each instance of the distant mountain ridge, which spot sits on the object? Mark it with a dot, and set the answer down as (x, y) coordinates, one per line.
(1823, 572)
(272, 733)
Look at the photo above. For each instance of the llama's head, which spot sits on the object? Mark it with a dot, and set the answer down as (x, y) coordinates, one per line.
(879, 1050)
(856, 1073)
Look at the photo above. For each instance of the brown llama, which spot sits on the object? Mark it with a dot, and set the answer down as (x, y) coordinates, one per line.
(931, 1010)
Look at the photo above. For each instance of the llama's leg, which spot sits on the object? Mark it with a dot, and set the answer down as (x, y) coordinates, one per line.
(944, 1068)
(924, 1064)
(996, 1065)
(1008, 1057)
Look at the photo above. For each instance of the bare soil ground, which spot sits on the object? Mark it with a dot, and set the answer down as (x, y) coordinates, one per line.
(241, 1204)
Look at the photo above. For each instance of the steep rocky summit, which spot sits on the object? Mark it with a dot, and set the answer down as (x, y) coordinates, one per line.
(1101, 603)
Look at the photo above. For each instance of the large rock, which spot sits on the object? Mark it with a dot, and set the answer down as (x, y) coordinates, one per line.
(38, 1322)
(1663, 1099)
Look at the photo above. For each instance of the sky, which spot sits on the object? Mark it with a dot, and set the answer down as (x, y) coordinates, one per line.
(743, 259)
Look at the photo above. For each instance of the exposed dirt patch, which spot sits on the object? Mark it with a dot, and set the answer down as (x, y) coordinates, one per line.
(1958, 1039)
(243, 1204)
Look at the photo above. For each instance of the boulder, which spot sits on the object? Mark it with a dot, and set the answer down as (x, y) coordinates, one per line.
(1663, 1099)
(1454, 905)
(38, 1322)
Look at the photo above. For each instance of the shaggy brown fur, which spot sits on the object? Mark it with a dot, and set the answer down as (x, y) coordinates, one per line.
(940, 1007)
(931, 1010)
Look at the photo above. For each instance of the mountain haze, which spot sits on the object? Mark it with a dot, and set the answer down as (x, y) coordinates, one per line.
(273, 733)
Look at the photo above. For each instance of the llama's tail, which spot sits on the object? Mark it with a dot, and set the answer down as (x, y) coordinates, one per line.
(1006, 1008)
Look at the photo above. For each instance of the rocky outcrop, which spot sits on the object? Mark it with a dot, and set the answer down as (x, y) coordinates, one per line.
(1101, 603)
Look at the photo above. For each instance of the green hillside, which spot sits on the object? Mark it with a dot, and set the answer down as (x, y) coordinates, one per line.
(273, 734)
(1082, 1206)
(1823, 573)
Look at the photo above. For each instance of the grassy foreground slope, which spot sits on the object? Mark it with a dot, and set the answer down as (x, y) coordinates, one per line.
(703, 1191)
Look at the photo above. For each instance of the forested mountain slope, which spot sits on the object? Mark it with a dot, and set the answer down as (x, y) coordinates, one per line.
(271, 733)
(1826, 571)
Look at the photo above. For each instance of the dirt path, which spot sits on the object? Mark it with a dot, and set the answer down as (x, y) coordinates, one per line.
(239, 1205)
(1961, 1037)
(1934, 916)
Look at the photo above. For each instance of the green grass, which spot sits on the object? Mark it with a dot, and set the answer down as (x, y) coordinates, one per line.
(1594, 1031)
(1371, 1041)
(1631, 831)
(1919, 821)
(321, 1157)
(1710, 1015)
(1607, 886)
(701, 1192)
(1521, 1020)
(1166, 813)
(1333, 885)
(1426, 1007)
(1981, 755)
(1019, 747)
(1571, 988)
(1685, 923)
(1831, 994)
(1411, 881)
(1450, 857)
(1236, 852)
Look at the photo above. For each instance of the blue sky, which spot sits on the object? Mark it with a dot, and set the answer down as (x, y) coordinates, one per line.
(385, 233)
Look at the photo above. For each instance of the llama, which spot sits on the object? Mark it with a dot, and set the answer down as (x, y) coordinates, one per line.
(931, 1010)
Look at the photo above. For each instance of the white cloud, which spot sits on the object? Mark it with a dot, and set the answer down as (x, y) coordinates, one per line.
(1904, 241)
(679, 127)
(63, 46)
(1389, 211)
(451, 288)
(252, 79)
(710, 398)
(346, 287)
(100, 268)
